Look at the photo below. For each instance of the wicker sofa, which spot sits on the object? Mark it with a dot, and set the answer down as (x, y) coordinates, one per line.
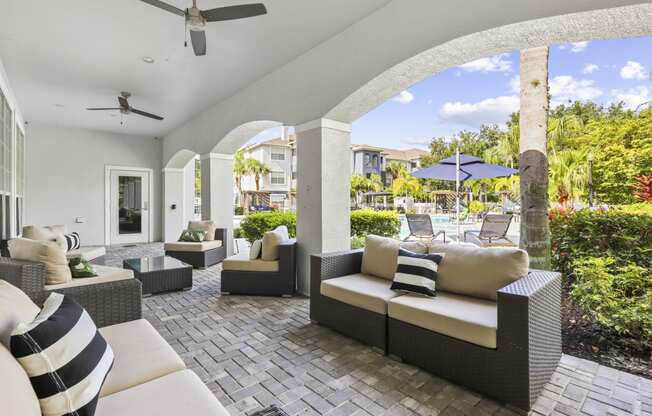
(242, 276)
(147, 378)
(199, 255)
(507, 349)
(114, 296)
(94, 254)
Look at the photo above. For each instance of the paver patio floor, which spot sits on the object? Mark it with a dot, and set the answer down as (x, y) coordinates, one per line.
(255, 351)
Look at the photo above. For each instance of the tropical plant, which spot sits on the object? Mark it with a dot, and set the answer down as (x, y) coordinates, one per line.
(253, 226)
(240, 170)
(405, 185)
(568, 172)
(257, 168)
(644, 188)
(394, 168)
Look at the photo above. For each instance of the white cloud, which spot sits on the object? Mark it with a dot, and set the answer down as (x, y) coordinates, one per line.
(429, 102)
(633, 97)
(405, 97)
(497, 63)
(412, 141)
(515, 84)
(565, 88)
(590, 68)
(633, 70)
(579, 46)
(491, 110)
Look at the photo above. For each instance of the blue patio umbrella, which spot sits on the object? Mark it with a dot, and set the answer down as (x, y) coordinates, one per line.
(460, 168)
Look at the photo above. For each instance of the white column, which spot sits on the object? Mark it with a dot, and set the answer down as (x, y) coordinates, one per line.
(217, 192)
(323, 182)
(173, 201)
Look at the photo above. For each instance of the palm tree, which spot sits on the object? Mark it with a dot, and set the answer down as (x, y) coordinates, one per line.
(405, 185)
(507, 150)
(395, 168)
(257, 168)
(240, 170)
(359, 184)
(561, 129)
(375, 183)
(533, 161)
(568, 175)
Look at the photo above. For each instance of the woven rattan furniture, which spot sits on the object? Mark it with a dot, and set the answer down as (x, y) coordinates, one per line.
(420, 226)
(277, 283)
(528, 337)
(493, 231)
(160, 273)
(206, 258)
(108, 302)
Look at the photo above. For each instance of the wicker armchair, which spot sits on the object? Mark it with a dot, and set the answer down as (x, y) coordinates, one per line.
(528, 338)
(199, 258)
(107, 303)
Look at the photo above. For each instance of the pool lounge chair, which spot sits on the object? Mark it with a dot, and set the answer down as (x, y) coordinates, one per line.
(420, 226)
(493, 231)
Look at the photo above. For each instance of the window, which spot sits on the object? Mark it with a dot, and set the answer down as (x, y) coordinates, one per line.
(20, 178)
(5, 167)
(278, 155)
(277, 178)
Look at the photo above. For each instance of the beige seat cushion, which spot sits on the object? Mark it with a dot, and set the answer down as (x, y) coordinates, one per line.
(17, 396)
(105, 274)
(15, 307)
(43, 233)
(141, 355)
(241, 262)
(418, 247)
(46, 252)
(207, 226)
(192, 246)
(88, 252)
(271, 241)
(366, 292)
(380, 256)
(477, 271)
(462, 317)
(179, 393)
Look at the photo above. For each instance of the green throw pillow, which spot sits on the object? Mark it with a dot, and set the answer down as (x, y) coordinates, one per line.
(192, 236)
(80, 267)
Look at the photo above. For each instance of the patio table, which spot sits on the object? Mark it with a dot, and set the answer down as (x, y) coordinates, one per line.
(160, 273)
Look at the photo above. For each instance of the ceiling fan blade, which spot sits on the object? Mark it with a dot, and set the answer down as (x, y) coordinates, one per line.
(198, 40)
(234, 12)
(165, 6)
(102, 109)
(123, 103)
(143, 113)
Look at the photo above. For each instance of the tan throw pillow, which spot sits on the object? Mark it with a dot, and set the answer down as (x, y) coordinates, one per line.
(380, 256)
(271, 241)
(479, 272)
(206, 226)
(283, 230)
(43, 233)
(46, 252)
(256, 248)
(15, 307)
(418, 247)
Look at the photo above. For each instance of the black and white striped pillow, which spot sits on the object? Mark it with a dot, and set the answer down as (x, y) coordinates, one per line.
(65, 357)
(416, 273)
(72, 241)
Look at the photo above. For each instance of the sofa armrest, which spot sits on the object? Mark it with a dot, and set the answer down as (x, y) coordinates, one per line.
(220, 235)
(108, 303)
(330, 265)
(287, 253)
(28, 276)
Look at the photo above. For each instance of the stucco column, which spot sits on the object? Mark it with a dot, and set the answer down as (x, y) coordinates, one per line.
(173, 204)
(323, 201)
(217, 192)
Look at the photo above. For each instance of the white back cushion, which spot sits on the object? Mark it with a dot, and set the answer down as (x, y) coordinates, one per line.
(46, 252)
(17, 396)
(15, 307)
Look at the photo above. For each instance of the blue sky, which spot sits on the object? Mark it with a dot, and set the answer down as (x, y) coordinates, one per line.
(486, 91)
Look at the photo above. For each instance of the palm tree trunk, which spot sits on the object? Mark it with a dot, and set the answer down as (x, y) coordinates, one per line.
(533, 161)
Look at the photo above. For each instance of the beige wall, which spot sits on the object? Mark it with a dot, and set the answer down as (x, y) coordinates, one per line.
(65, 176)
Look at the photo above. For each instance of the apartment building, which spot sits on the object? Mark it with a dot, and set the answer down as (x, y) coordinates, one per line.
(367, 160)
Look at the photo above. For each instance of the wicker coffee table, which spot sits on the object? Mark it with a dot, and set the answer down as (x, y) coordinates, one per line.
(160, 274)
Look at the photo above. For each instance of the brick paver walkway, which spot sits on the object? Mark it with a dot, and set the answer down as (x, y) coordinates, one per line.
(255, 351)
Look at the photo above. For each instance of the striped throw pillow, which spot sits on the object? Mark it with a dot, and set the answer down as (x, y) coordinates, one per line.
(65, 357)
(416, 273)
(72, 241)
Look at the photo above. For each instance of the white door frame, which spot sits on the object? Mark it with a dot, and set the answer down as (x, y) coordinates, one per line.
(107, 199)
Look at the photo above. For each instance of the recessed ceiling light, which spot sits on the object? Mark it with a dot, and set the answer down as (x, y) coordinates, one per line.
(148, 59)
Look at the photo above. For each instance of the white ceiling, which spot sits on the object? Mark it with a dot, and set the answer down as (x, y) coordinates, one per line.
(63, 56)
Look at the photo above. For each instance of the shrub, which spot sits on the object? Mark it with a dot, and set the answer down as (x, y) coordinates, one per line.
(237, 232)
(640, 208)
(580, 234)
(357, 242)
(365, 221)
(476, 207)
(238, 211)
(618, 297)
(253, 226)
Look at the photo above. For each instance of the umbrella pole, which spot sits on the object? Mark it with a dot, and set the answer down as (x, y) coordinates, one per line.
(457, 190)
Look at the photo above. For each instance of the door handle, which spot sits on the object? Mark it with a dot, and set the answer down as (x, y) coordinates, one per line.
(146, 206)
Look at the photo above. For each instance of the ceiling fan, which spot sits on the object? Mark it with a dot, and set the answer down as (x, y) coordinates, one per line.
(125, 108)
(196, 19)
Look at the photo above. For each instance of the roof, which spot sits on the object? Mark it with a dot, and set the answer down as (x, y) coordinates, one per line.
(406, 154)
(359, 147)
(278, 141)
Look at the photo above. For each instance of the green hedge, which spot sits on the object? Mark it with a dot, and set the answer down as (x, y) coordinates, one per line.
(366, 221)
(363, 222)
(253, 226)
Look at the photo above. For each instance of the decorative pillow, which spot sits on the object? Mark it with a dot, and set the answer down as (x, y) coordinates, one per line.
(284, 231)
(416, 273)
(46, 252)
(256, 248)
(271, 241)
(15, 307)
(479, 271)
(207, 226)
(65, 357)
(193, 236)
(43, 233)
(379, 257)
(418, 247)
(80, 268)
(72, 241)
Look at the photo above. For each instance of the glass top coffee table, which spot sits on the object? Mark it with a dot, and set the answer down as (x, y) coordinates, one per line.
(160, 273)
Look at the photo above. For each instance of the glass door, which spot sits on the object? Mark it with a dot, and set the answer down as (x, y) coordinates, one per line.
(129, 206)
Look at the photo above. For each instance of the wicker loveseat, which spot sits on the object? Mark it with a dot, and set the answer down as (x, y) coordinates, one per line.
(112, 297)
(506, 349)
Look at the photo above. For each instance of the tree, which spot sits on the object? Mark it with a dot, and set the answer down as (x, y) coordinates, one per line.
(240, 170)
(395, 168)
(257, 168)
(568, 175)
(405, 185)
(533, 161)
